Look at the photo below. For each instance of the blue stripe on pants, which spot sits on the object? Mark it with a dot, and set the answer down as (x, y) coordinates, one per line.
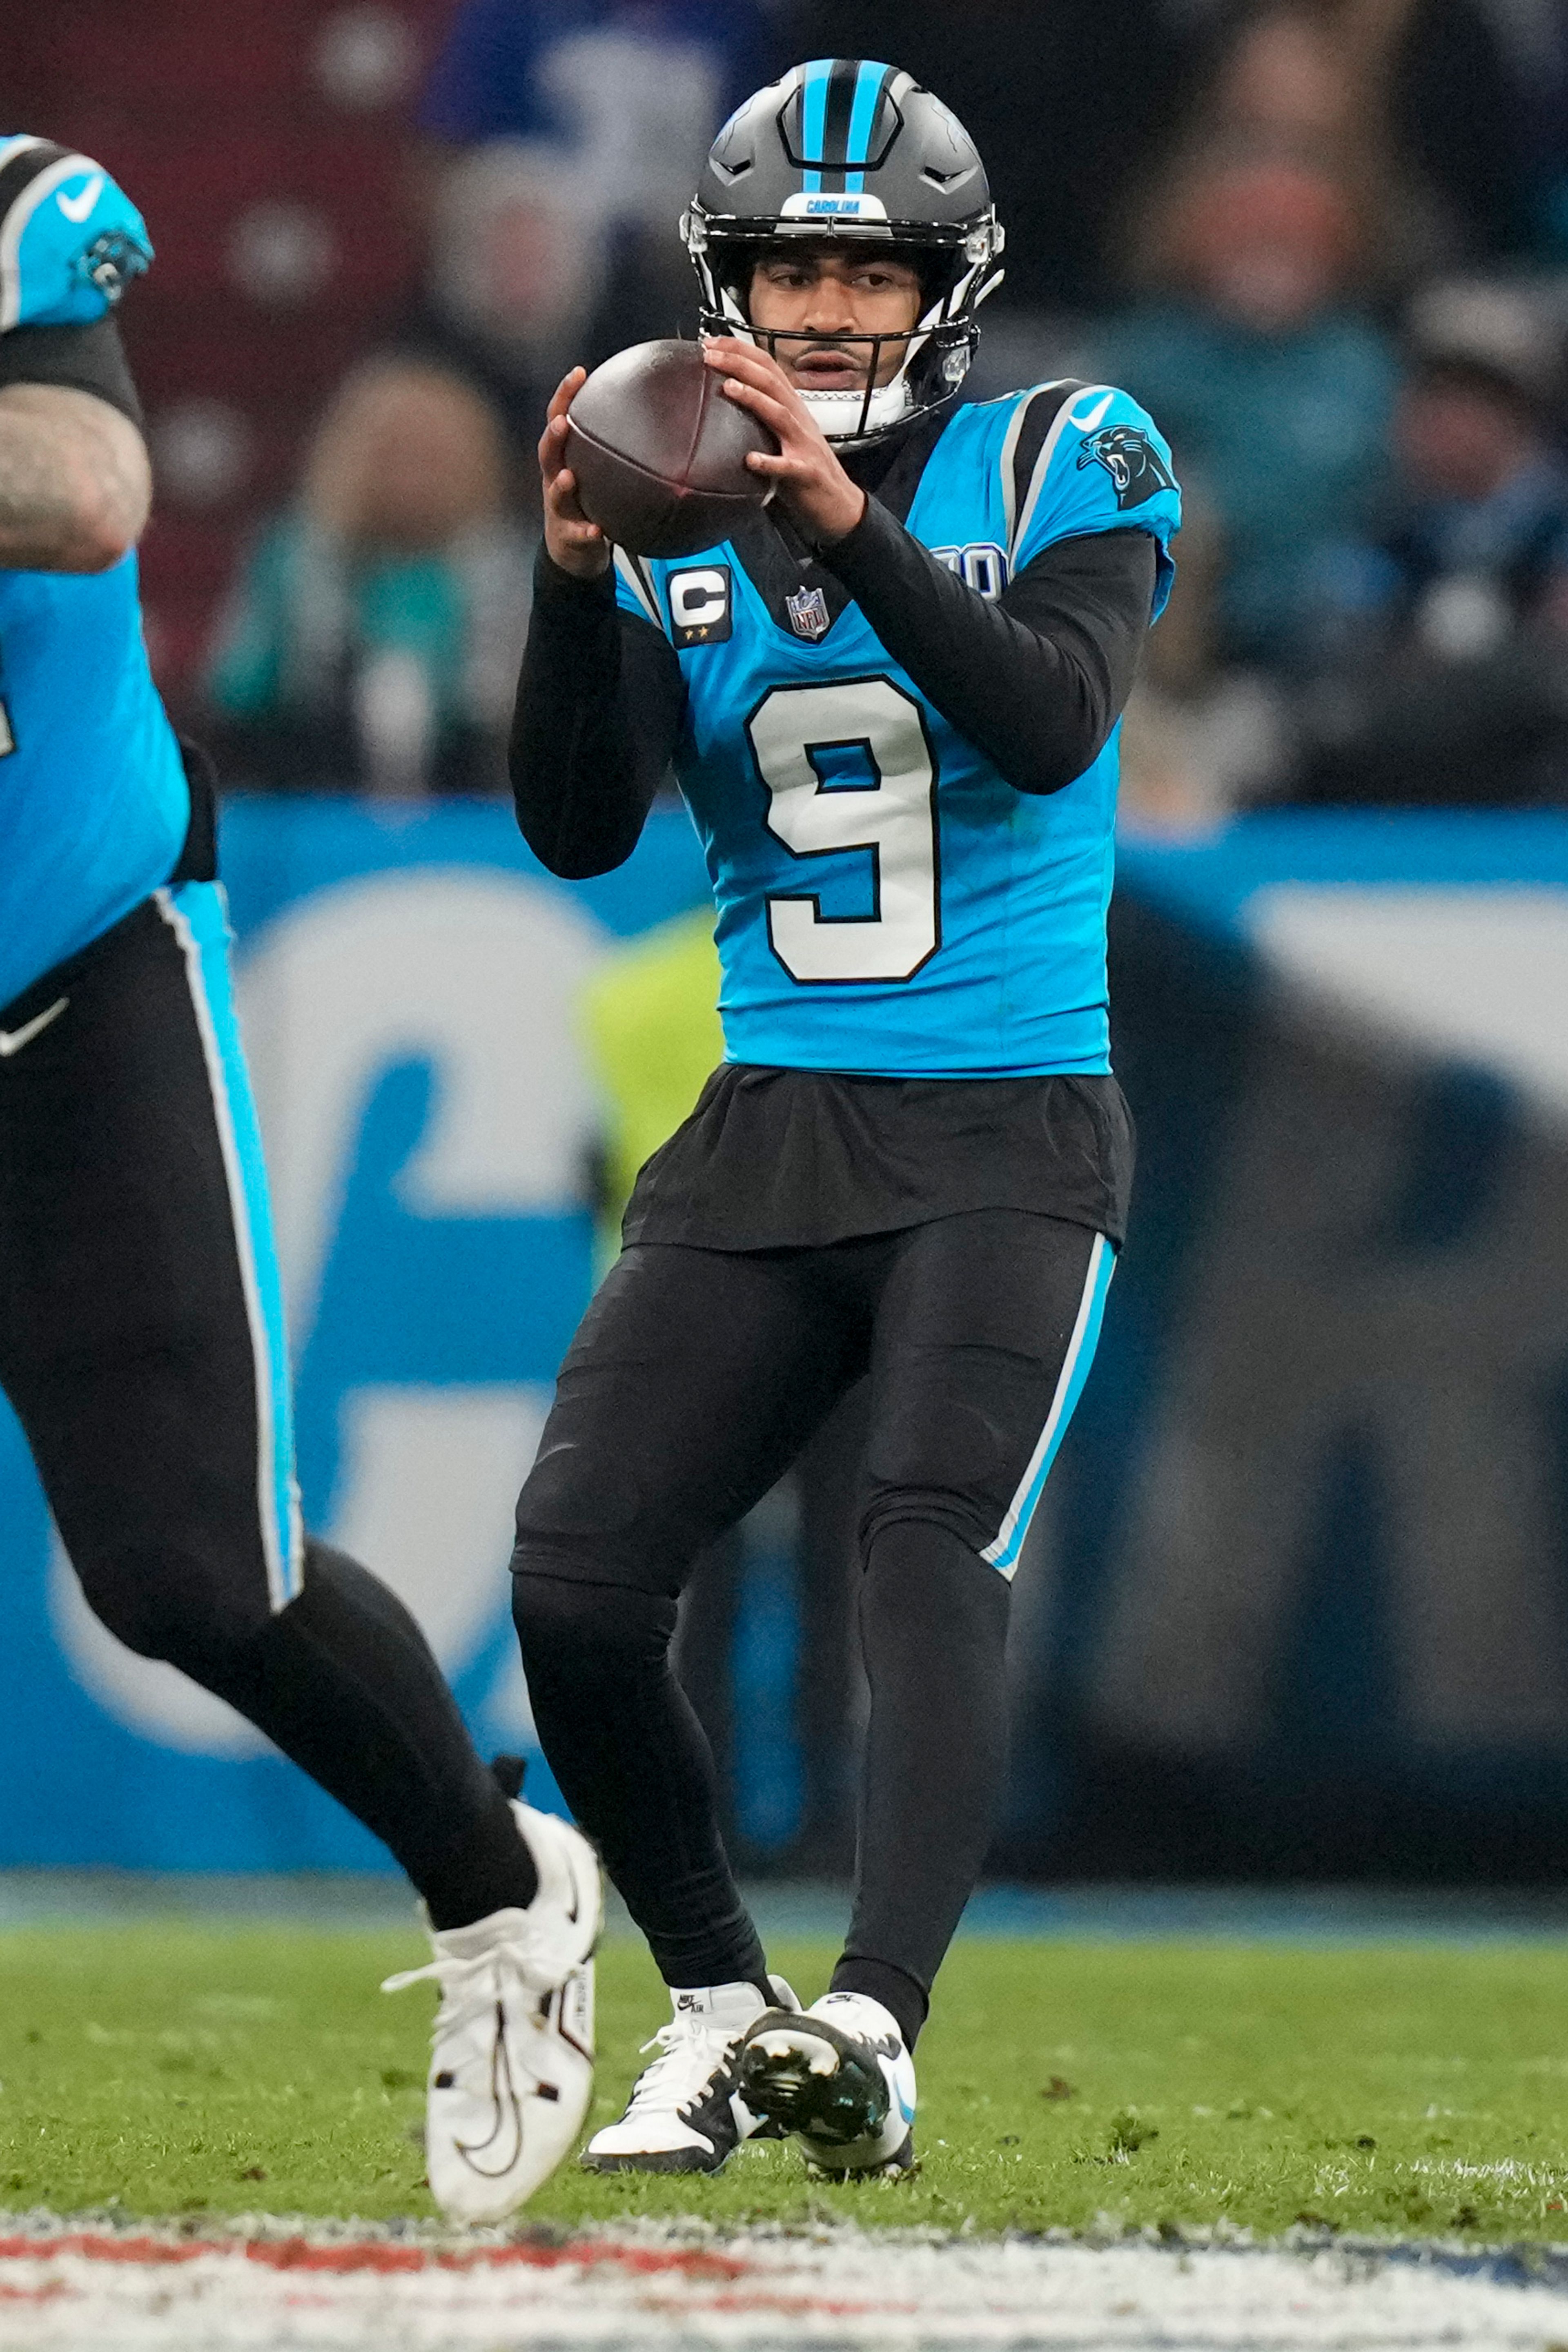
(197, 914)
(1003, 1553)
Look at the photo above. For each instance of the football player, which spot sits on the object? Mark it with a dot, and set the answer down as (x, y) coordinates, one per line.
(141, 1338)
(892, 702)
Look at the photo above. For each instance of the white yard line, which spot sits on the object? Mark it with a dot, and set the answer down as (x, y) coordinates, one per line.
(120, 2291)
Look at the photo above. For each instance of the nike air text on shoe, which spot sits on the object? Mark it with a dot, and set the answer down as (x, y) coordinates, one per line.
(683, 2114)
(511, 2062)
(839, 2077)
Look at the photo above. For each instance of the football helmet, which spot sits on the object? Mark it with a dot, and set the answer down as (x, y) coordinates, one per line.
(846, 148)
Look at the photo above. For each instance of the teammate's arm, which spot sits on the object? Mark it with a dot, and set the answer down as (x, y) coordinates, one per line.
(75, 483)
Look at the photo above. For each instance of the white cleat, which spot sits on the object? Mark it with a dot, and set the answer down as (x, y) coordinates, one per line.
(839, 2077)
(511, 2059)
(683, 2114)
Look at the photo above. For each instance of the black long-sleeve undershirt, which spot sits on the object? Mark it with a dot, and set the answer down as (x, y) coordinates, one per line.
(1036, 679)
(82, 359)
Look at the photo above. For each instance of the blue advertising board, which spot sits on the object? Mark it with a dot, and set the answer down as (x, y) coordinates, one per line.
(1298, 1597)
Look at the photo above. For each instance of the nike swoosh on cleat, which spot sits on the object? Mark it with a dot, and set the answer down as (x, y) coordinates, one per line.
(13, 1040)
(77, 208)
(508, 2107)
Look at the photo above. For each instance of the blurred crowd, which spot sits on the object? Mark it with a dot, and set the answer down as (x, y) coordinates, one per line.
(1324, 241)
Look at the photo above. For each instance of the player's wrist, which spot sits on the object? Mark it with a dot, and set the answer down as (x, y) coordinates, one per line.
(577, 562)
(844, 516)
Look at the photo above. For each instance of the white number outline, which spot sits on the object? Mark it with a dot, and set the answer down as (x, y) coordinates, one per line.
(970, 564)
(813, 899)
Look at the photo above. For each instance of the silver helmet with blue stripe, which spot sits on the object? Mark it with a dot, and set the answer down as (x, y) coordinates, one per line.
(846, 148)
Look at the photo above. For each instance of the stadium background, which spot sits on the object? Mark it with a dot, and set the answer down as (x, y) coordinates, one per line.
(1297, 1604)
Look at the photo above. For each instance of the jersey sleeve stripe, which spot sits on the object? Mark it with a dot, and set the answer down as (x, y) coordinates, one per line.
(632, 573)
(38, 177)
(1031, 421)
(1071, 394)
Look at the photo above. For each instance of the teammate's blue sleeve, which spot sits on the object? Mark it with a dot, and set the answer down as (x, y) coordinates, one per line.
(70, 239)
(1105, 467)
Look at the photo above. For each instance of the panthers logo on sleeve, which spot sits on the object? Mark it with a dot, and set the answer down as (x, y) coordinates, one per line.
(70, 239)
(1136, 468)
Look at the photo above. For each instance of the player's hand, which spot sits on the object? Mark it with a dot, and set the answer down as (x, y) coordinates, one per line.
(577, 545)
(813, 487)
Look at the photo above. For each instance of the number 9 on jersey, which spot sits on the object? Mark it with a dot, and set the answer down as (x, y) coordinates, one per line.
(891, 818)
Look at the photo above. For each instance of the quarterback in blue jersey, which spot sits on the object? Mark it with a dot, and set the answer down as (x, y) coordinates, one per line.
(892, 702)
(141, 1324)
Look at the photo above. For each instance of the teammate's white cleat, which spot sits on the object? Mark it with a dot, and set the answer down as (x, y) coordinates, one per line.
(683, 2114)
(511, 2059)
(839, 2077)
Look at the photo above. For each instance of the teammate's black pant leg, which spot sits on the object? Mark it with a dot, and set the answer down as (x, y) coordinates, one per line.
(128, 1345)
(985, 1324)
(695, 1378)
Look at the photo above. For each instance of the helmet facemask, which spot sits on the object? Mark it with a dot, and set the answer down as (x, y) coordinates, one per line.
(956, 273)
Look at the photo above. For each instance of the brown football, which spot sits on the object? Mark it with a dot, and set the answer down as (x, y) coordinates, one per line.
(659, 452)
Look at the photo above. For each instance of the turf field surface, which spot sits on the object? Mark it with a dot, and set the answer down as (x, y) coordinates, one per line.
(1394, 2090)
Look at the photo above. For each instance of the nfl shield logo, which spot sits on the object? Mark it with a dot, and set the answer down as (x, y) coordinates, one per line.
(808, 610)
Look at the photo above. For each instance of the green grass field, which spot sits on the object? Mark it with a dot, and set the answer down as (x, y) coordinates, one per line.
(1407, 2090)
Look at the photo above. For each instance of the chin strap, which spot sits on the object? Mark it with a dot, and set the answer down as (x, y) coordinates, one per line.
(849, 416)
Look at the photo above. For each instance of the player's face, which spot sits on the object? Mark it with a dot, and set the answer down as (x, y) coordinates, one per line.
(826, 297)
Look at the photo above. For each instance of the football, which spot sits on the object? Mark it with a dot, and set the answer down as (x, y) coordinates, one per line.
(660, 453)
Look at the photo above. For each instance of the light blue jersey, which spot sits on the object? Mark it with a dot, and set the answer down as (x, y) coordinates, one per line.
(94, 805)
(889, 904)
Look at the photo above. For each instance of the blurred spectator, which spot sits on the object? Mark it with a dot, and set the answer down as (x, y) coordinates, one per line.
(1533, 36)
(1417, 104)
(1062, 101)
(1324, 152)
(518, 262)
(1451, 678)
(1270, 377)
(1199, 735)
(373, 638)
(627, 94)
(1071, 104)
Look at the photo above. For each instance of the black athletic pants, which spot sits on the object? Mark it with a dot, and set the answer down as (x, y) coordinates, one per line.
(141, 1344)
(695, 1379)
